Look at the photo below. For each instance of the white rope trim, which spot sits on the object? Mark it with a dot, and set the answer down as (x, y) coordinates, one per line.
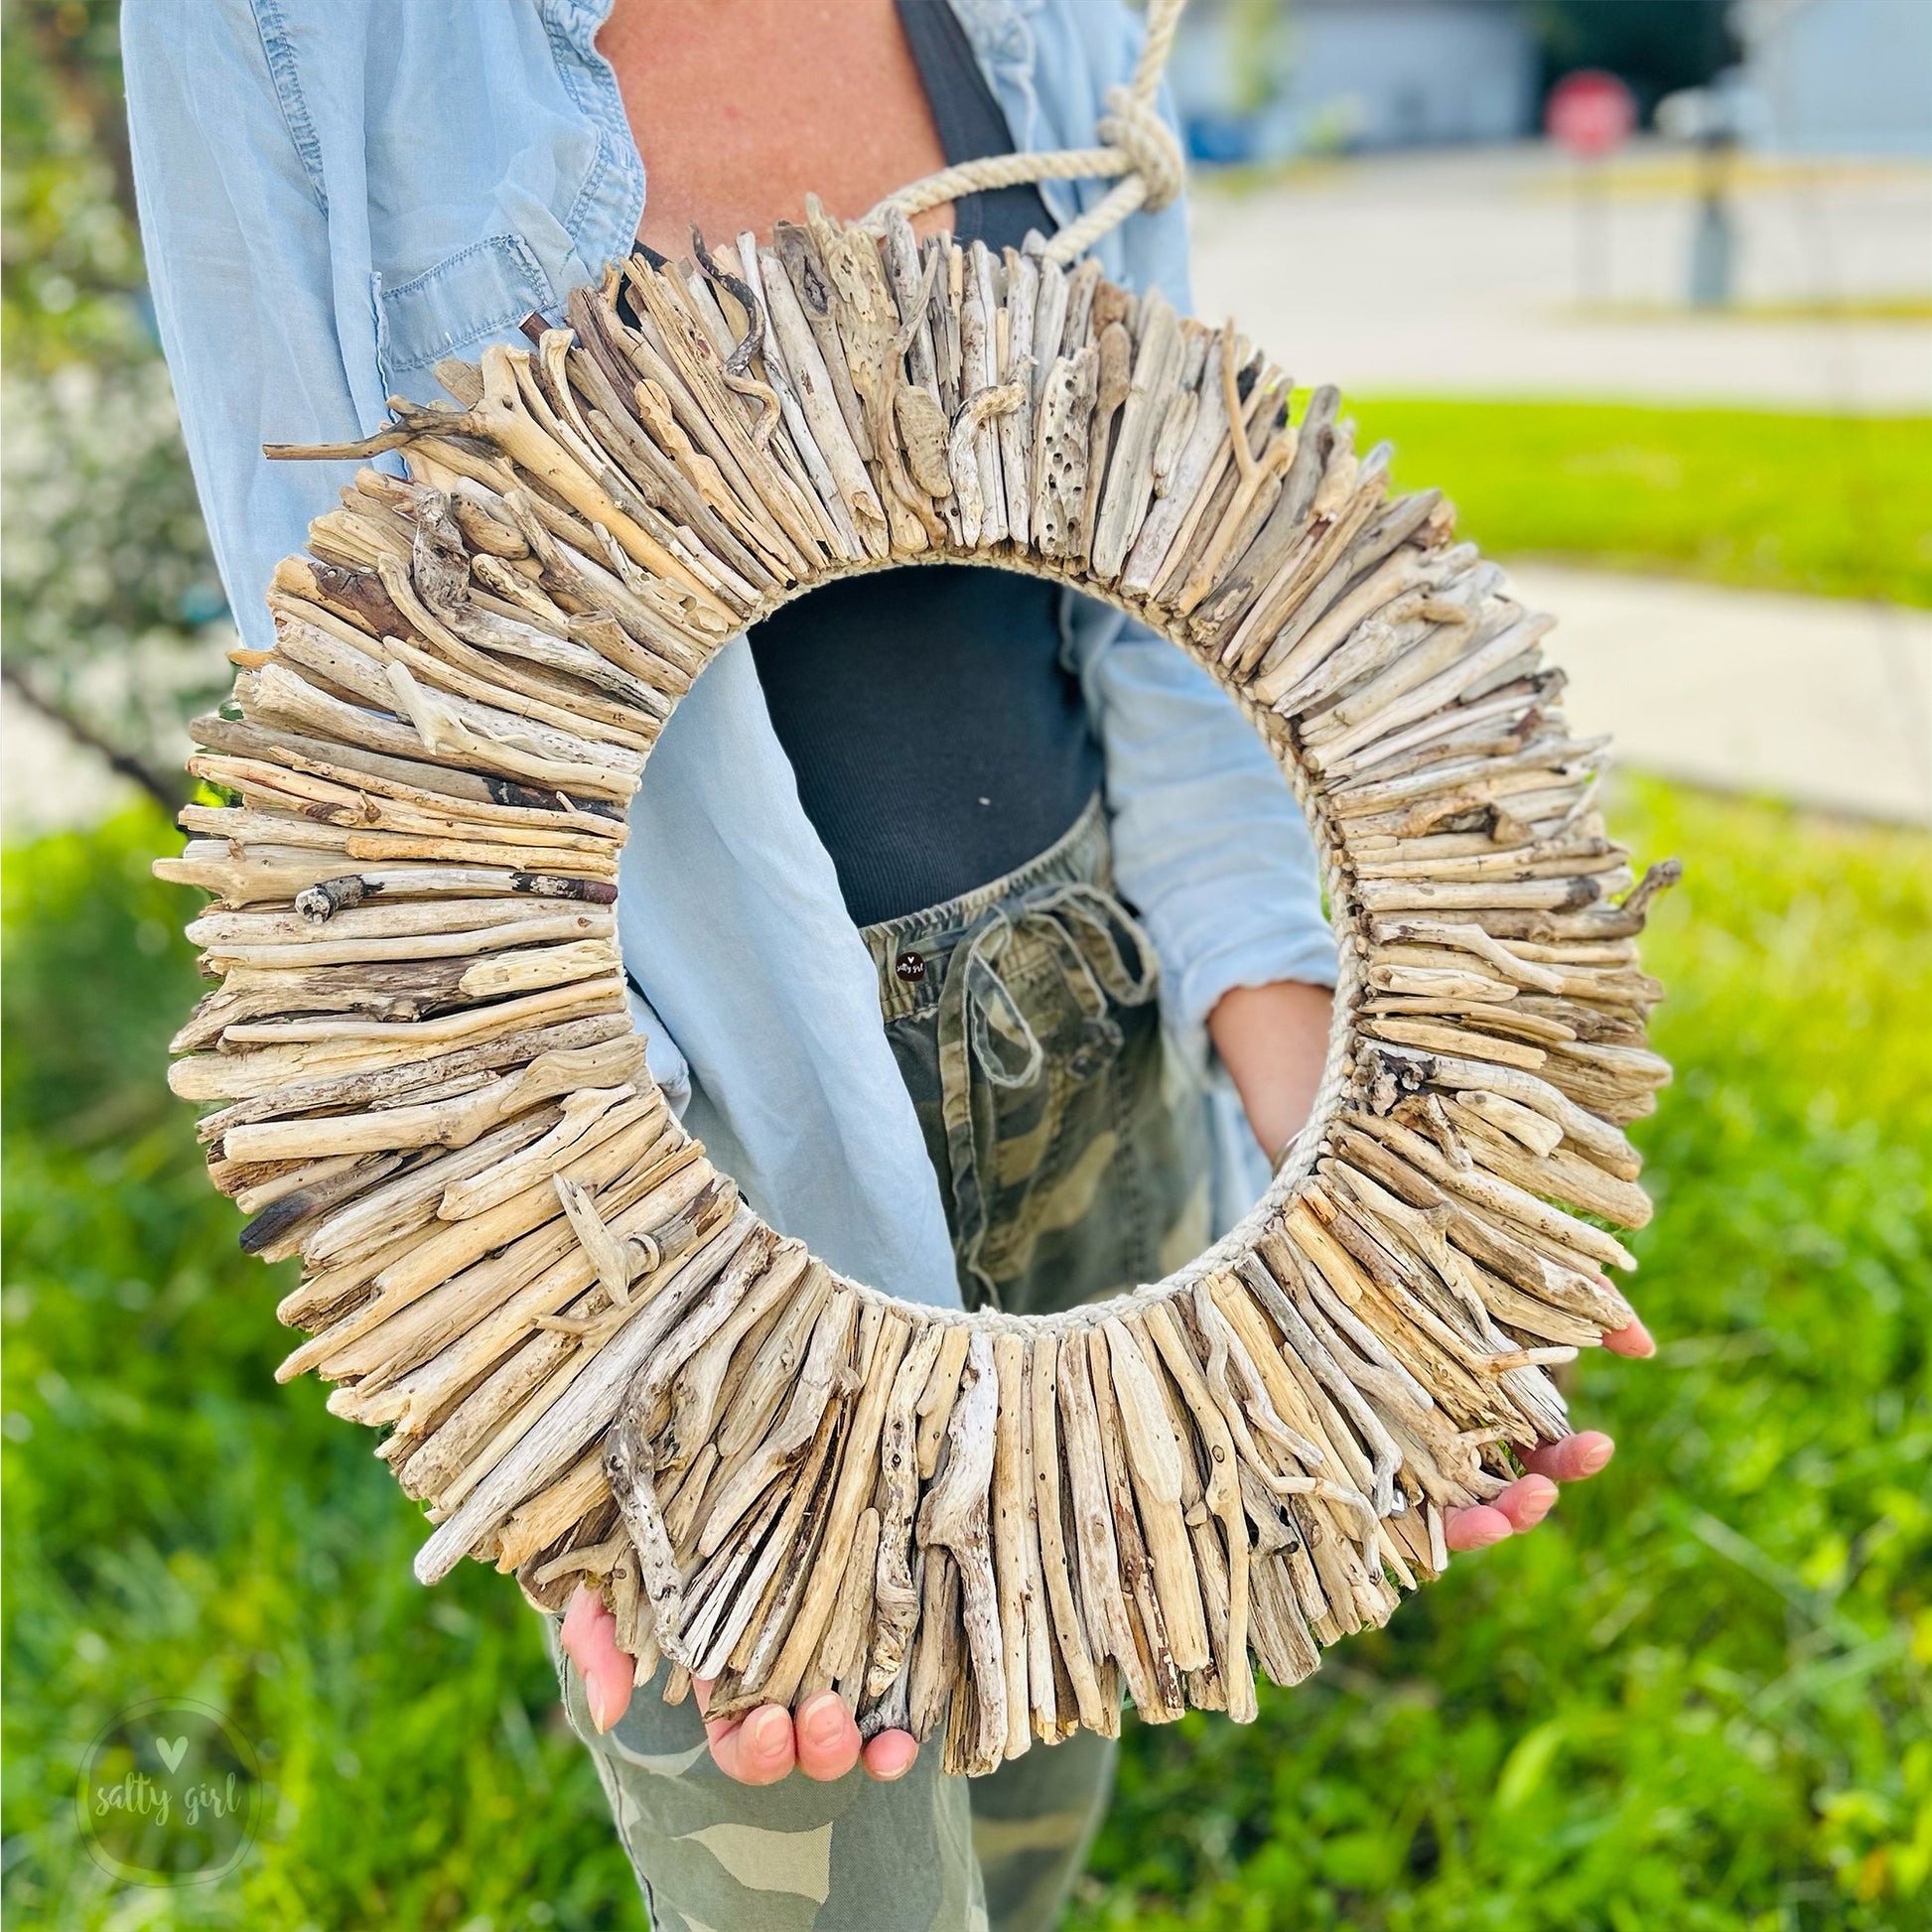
(1141, 149)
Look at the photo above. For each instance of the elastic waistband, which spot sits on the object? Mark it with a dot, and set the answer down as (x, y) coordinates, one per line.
(911, 951)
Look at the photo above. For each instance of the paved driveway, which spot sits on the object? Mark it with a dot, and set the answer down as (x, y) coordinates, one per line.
(1457, 273)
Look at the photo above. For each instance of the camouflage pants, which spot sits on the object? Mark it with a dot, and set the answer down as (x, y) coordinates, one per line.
(1024, 1020)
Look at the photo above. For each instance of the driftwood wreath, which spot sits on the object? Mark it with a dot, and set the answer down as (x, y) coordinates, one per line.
(595, 1362)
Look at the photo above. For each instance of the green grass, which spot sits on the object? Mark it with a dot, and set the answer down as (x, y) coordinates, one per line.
(1840, 505)
(1696, 1698)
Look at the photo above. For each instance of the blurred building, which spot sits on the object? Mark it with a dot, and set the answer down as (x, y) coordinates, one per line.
(1257, 79)
(1847, 76)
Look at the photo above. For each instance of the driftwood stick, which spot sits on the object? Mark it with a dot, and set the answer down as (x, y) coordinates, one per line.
(1049, 1684)
(1144, 1616)
(1130, 484)
(818, 1376)
(568, 1426)
(858, 1478)
(842, 1652)
(737, 1634)
(770, 1622)
(1155, 1459)
(1223, 1498)
(1012, 1532)
(953, 1518)
(897, 1605)
(1103, 1605)
(935, 1406)
(630, 1462)
(1069, 1632)
(1015, 365)
(936, 1649)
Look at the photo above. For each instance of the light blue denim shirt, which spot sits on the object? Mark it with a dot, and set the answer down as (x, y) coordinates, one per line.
(335, 194)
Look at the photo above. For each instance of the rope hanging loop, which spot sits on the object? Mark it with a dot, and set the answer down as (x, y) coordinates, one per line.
(1140, 155)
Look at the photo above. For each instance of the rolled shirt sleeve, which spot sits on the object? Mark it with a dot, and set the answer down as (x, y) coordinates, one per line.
(1211, 846)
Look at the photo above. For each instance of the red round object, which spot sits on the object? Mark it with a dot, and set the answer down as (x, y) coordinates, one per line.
(1590, 111)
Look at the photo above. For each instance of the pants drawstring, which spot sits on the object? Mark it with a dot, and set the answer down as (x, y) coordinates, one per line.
(981, 1027)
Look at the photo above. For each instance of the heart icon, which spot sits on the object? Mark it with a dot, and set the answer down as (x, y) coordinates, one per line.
(173, 1751)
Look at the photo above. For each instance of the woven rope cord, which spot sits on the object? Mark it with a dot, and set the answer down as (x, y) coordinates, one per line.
(1140, 149)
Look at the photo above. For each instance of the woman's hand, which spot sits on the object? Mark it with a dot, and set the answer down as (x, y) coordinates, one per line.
(765, 1744)
(1274, 1039)
(1531, 1497)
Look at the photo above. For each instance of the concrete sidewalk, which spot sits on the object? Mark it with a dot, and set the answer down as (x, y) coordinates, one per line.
(1820, 700)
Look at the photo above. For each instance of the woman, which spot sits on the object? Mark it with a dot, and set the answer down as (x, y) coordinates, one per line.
(886, 804)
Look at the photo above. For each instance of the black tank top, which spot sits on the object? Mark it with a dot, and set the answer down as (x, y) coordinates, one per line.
(936, 741)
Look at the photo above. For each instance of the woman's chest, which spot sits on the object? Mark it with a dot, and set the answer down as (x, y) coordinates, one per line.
(741, 109)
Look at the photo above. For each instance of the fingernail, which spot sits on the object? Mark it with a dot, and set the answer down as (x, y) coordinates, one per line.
(892, 1768)
(768, 1728)
(594, 1698)
(1599, 1455)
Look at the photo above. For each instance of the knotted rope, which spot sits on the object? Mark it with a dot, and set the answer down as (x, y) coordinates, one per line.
(1141, 150)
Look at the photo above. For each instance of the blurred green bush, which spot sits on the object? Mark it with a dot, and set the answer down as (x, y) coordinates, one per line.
(1695, 1699)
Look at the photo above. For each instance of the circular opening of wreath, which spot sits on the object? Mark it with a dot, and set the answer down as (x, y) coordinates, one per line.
(595, 1363)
